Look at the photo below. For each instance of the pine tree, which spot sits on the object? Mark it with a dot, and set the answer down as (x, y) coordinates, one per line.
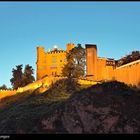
(16, 80)
(75, 66)
(21, 79)
(28, 75)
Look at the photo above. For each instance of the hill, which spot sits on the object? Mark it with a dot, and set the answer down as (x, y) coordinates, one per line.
(110, 107)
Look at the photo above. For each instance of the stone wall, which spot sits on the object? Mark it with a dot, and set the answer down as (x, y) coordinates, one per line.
(128, 73)
(6, 93)
(44, 83)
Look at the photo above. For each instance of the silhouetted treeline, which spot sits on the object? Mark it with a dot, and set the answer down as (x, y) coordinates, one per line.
(3, 87)
(20, 78)
(135, 55)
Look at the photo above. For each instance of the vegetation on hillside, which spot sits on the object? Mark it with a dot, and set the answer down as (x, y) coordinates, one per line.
(110, 107)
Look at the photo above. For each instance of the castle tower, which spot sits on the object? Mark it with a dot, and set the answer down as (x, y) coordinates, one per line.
(69, 47)
(40, 62)
(91, 61)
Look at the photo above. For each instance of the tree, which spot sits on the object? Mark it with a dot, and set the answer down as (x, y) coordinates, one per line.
(28, 75)
(135, 55)
(3, 87)
(16, 81)
(75, 66)
(20, 78)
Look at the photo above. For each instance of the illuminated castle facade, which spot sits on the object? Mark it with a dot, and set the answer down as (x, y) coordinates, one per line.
(105, 69)
(98, 69)
(52, 62)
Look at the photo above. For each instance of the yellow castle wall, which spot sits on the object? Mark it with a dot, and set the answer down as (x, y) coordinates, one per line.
(6, 93)
(101, 69)
(129, 73)
(104, 72)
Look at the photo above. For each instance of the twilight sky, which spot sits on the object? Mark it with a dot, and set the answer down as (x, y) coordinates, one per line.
(113, 26)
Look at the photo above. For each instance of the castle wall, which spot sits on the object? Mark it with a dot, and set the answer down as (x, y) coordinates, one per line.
(101, 69)
(104, 71)
(52, 63)
(128, 73)
(6, 93)
(110, 72)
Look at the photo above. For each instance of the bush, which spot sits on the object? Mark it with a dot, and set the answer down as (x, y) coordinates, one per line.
(62, 89)
(67, 85)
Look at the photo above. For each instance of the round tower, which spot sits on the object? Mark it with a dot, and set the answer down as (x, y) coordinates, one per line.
(91, 61)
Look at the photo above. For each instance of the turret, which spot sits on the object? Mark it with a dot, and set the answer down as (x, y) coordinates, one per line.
(91, 61)
(40, 62)
(69, 47)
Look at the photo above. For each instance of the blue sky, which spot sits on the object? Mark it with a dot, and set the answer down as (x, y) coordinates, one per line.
(113, 26)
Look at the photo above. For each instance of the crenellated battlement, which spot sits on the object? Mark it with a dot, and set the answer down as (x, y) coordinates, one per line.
(55, 52)
(6, 93)
(7, 90)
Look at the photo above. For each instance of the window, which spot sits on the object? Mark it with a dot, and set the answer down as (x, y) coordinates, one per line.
(55, 73)
(54, 59)
(53, 66)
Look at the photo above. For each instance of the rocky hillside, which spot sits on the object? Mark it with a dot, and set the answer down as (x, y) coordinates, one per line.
(109, 107)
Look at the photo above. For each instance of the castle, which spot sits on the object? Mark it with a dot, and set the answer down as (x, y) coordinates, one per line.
(52, 62)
